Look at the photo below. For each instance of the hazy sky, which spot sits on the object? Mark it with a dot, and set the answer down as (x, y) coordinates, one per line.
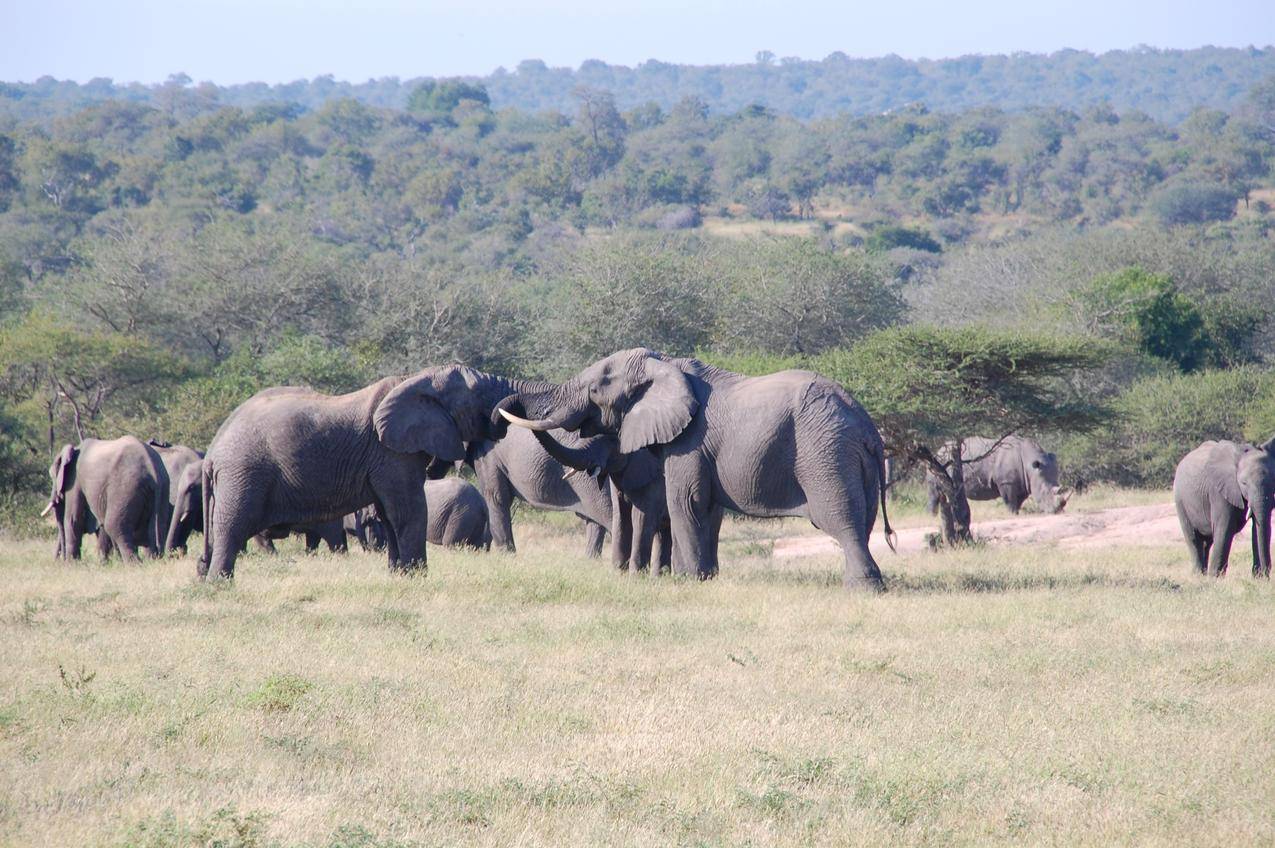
(282, 40)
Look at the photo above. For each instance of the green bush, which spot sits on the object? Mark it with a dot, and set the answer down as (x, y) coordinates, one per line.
(1158, 420)
(1193, 203)
(888, 237)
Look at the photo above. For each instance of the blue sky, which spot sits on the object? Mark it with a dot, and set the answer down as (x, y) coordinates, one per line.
(282, 40)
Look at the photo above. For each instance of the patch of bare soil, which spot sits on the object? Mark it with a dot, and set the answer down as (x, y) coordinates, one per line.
(1156, 524)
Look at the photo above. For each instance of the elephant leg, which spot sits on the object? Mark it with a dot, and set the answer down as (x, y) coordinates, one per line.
(498, 495)
(104, 545)
(1224, 529)
(714, 536)
(407, 517)
(1195, 541)
(623, 523)
(311, 541)
(643, 541)
(122, 537)
(837, 503)
(662, 551)
(595, 536)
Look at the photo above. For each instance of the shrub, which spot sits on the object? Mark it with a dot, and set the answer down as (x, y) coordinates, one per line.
(1158, 420)
(1193, 203)
(890, 237)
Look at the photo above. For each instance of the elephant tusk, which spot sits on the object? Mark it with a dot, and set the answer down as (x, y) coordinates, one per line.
(570, 472)
(542, 425)
(46, 509)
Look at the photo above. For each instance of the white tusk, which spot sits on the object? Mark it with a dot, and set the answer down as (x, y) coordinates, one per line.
(46, 509)
(523, 422)
(571, 472)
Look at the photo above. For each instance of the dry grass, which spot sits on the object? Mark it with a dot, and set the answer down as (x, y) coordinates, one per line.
(991, 697)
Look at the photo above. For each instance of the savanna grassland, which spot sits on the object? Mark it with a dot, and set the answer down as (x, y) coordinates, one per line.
(992, 696)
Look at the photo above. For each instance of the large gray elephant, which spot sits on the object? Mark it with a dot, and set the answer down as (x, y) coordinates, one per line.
(1014, 470)
(183, 466)
(120, 486)
(640, 515)
(517, 467)
(291, 456)
(791, 443)
(1216, 488)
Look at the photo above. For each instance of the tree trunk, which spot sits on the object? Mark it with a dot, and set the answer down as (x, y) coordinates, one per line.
(954, 506)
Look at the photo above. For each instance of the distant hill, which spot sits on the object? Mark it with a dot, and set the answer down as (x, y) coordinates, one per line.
(1166, 84)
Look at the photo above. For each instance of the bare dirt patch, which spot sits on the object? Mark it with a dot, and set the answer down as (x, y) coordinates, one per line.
(1152, 525)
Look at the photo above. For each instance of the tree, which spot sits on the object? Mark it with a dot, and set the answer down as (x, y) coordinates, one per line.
(52, 367)
(796, 297)
(927, 389)
(1194, 203)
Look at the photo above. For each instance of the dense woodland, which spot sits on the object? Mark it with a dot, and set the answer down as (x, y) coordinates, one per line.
(165, 252)
(1166, 84)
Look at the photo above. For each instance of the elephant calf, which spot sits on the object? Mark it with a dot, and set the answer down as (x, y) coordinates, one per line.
(457, 514)
(121, 485)
(1215, 488)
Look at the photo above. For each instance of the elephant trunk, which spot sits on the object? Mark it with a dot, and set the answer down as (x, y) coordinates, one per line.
(1262, 541)
(587, 458)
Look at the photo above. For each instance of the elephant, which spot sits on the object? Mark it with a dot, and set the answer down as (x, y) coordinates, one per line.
(1013, 470)
(791, 443)
(1215, 488)
(457, 514)
(637, 493)
(293, 456)
(120, 486)
(515, 466)
(367, 528)
(184, 497)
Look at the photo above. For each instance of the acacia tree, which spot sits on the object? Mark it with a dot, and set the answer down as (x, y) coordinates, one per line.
(928, 389)
(52, 369)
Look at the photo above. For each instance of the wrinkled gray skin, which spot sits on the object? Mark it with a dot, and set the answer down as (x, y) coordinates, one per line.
(791, 443)
(516, 467)
(291, 456)
(1216, 487)
(120, 486)
(1014, 470)
(184, 494)
(457, 514)
(640, 514)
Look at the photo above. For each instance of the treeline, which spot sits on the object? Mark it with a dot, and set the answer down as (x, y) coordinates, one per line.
(1165, 84)
(158, 266)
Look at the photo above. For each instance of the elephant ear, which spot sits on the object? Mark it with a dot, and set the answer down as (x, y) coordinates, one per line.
(1223, 468)
(642, 469)
(64, 463)
(411, 420)
(664, 407)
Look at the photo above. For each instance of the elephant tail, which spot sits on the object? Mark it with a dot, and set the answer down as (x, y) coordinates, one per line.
(891, 538)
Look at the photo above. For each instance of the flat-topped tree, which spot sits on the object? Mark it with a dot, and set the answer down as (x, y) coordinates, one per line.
(928, 389)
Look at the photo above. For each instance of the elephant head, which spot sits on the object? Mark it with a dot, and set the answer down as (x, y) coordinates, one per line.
(600, 456)
(62, 476)
(436, 412)
(1255, 485)
(637, 395)
(188, 511)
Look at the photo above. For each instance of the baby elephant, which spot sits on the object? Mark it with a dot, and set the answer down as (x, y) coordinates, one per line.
(1216, 488)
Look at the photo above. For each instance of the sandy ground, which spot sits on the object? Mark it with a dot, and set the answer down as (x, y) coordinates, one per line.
(1156, 524)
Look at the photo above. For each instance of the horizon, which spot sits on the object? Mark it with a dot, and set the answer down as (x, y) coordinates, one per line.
(277, 41)
(513, 69)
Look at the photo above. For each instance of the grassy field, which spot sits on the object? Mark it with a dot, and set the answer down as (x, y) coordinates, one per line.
(992, 696)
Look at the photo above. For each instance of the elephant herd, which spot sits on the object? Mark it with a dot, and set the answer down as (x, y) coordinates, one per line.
(651, 448)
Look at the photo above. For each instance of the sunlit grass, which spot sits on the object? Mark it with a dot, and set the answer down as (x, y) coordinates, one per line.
(1004, 696)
